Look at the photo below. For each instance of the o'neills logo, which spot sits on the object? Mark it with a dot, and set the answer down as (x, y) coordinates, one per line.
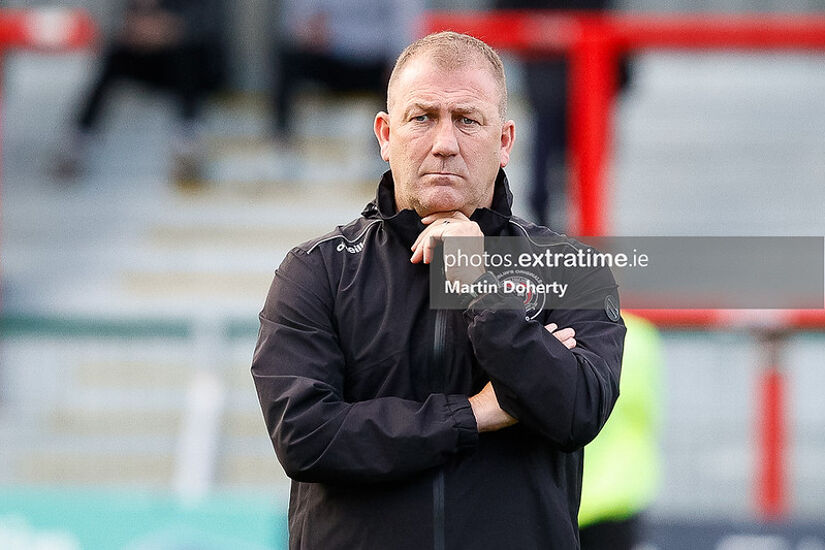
(527, 286)
(354, 249)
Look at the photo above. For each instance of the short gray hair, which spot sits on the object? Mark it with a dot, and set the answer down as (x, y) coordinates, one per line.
(451, 50)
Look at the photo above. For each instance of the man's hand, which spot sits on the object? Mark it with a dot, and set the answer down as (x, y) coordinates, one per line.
(451, 224)
(489, 415)
(440, 225)
(566, 335)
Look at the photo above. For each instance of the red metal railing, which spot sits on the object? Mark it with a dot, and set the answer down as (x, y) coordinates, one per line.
(45, 29)
(593, 44)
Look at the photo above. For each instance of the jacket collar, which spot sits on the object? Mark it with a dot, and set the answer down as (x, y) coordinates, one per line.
(408, 225)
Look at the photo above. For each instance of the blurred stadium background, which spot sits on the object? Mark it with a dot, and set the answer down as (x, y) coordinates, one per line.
(128, 418)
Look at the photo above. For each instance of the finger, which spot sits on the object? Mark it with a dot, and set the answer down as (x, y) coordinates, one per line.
(426, 220)
(418, 239)
(564, 334)
(551, 327)
(423, 235)
(416, 256)
(435, 236)
(428, 230)
(429, 248)
(569, 343)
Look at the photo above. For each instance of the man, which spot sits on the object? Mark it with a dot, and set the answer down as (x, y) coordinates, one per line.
(406, 427)
(342, 44)
(173, 45)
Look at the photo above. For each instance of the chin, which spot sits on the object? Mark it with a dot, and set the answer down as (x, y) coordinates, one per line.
(442, 200)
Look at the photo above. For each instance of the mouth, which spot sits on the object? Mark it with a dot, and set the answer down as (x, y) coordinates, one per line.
(443, 174)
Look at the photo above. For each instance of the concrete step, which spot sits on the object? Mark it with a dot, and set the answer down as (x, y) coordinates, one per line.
(246, 423)
(86, 422)
(239, 377)
(90, 468)
(144, 399)
(172, 244)
(252, 470)
(132, 375)
(208, 284)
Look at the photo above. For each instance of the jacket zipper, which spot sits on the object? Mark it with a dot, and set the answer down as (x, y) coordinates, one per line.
(439, 527)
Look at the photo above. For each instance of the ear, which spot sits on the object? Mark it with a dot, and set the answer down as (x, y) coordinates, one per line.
(382, 132)
(508, 136)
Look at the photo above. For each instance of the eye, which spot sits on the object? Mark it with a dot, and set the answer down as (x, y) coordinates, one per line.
(468, 121)
(420, 118)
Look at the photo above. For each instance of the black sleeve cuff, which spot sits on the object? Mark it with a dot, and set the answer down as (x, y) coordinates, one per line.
(461, 412)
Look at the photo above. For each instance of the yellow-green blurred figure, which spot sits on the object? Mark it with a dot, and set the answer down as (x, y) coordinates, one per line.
(621, 466)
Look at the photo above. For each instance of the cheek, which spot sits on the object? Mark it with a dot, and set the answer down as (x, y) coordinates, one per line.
(409, 150)
(486, 156)
(498, 156)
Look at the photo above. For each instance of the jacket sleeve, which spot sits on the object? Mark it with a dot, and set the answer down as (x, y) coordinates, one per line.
(565, 395)
(299, 368)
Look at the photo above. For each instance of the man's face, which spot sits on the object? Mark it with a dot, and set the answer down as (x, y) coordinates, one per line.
(444, 137)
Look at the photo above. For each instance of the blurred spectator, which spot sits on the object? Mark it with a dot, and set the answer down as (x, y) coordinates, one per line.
(174, 45)
(621, 471)
(546, 83)
(344, 45)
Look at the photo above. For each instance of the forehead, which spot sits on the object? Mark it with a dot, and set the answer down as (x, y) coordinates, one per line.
(423, 80)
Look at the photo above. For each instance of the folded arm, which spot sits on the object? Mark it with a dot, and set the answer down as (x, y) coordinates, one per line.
(298, 368)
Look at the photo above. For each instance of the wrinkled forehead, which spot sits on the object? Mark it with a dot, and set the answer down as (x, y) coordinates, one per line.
(425, 79)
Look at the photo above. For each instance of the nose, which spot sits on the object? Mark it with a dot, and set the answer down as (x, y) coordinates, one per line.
(445, 143)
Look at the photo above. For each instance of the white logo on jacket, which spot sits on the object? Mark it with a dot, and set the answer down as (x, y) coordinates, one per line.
(354, 249)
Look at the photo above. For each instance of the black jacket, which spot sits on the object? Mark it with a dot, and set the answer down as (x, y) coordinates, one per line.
(364, 392)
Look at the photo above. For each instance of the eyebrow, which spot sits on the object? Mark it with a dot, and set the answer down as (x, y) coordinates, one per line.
(460, 108)
(420, 106)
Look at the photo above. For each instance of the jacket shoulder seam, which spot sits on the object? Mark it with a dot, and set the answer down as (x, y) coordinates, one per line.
(338, 234)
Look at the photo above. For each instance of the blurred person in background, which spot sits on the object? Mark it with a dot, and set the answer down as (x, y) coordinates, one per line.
(621, 466)
(547, 94)
(343, 45)
(172, 45)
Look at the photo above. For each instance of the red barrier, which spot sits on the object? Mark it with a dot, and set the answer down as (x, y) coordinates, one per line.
(593, 44)
(799, 319)
(771, 495)
(47, 29)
